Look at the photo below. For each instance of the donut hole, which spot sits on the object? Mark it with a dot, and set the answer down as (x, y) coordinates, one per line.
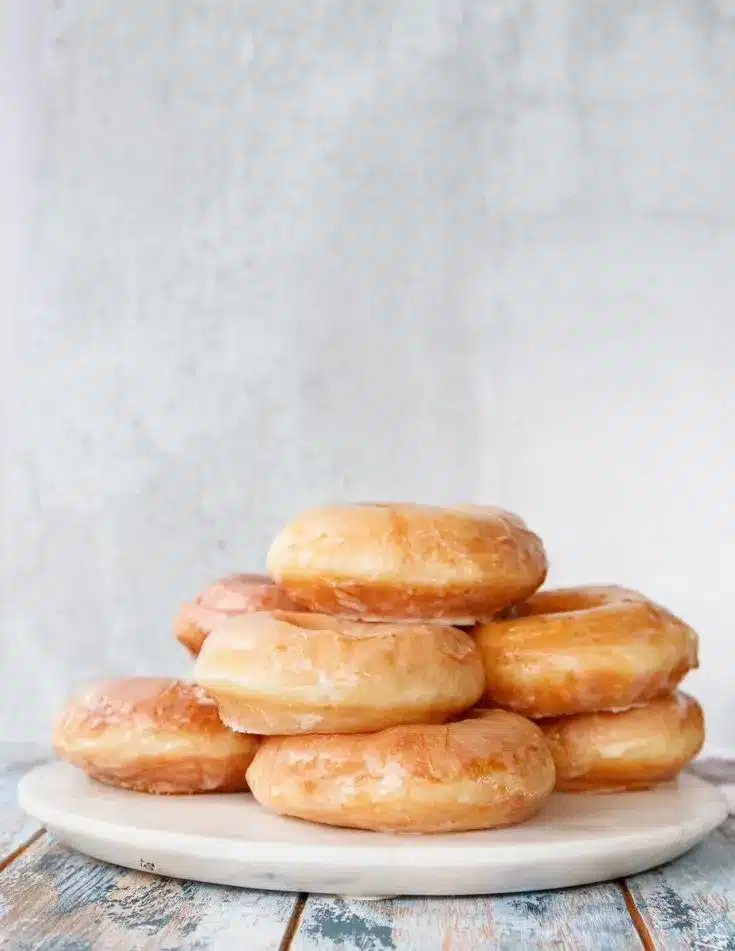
(341, 627)
(569, 601)
(382, 505)
(305, 622)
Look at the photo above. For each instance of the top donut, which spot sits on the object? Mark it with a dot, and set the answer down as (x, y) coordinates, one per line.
(402, 561)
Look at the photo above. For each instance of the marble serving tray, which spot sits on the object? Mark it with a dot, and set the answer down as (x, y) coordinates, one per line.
(230, 839)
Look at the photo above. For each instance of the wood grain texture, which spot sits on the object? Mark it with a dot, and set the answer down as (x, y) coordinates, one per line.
(53, 898)
(690, 903)
(16, 829)
(574, 919)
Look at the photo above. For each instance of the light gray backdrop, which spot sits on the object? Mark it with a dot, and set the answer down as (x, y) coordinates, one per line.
(290, 251)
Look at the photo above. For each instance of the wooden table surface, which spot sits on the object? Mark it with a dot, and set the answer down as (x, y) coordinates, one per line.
(52, 899)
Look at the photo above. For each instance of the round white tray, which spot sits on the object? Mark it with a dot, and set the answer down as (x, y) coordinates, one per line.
(230, 840)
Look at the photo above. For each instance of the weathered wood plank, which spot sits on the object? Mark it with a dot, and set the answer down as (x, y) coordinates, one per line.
(51, 897)
(15, 828)
(573, 919)
(690, 903)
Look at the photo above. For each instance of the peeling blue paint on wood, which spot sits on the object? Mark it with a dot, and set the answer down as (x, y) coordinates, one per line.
(81, 883)
(16, 829)
(346, 924)
(51, 892)
(56, 943)
(594, 918)
(74, 892)
(690, 903)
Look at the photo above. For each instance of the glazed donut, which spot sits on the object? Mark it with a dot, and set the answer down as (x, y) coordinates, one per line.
(492, 769)
(236, 594)
(283, 672)
(152, 734)
(581, 650)
(609, 752)
(405, 561)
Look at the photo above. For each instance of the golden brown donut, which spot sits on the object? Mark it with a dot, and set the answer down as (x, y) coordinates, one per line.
(152, 734)
(236, 594)
(610, 752)
(492, 769)
(283, 672)
(581, 650)
(405, 561)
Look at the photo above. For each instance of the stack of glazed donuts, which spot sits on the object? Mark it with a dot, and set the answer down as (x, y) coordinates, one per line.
(399, 670)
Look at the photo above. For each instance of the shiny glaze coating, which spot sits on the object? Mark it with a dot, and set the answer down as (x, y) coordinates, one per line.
(406, 561)
(582, 650)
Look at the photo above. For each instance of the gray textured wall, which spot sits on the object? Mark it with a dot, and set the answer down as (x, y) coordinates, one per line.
(306, 249)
